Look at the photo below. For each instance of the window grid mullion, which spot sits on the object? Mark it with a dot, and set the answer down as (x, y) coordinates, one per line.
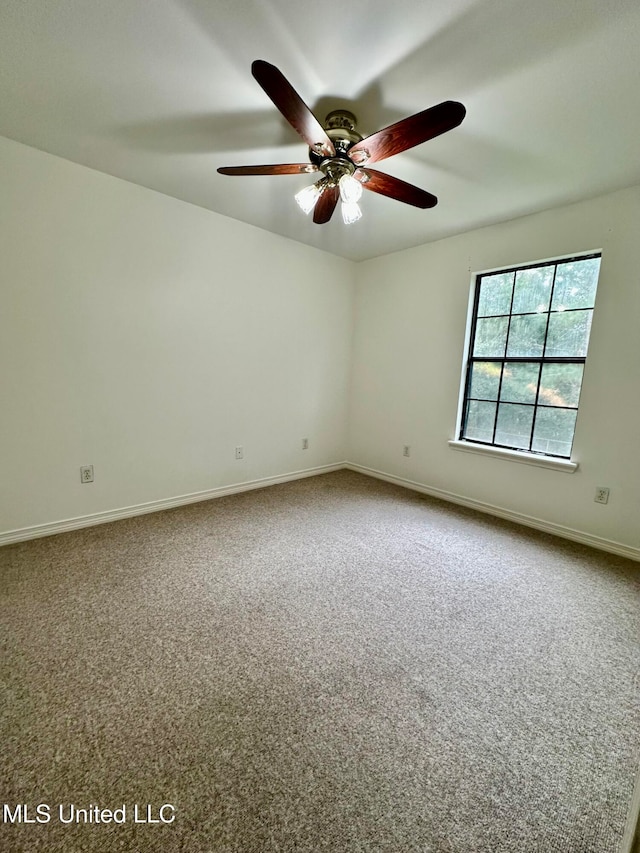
(535, 359)
(546, 331)
(537, 403)
(533, 313)
(472, 343)
(526, 405)
(506, 344)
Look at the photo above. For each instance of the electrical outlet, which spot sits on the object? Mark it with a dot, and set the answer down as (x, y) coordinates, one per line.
(602, 495)
(86, 474)
(406, 450)
(239, 452)
(305, 443)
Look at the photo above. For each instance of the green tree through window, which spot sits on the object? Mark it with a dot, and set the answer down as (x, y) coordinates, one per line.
(528, 345)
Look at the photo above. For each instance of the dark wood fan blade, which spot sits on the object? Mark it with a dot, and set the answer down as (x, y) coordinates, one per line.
(292, 107)
(387, 185)
(407, 133)
(326, 204)
(279, 169)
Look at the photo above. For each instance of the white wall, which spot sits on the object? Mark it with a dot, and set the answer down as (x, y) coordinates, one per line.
(149, 337)
(411, 312)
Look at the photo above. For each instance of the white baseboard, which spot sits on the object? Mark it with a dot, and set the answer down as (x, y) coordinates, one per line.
(39, 530)
(520, 518)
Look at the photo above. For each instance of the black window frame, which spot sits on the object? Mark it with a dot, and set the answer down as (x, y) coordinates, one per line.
(540, 361)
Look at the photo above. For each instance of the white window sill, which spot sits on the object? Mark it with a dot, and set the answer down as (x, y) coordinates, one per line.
(516, 456)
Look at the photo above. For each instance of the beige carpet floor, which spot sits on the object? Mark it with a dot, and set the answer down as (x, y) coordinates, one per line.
(334, 664)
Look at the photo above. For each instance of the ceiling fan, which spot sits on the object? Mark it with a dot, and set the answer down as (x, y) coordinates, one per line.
(342, 155)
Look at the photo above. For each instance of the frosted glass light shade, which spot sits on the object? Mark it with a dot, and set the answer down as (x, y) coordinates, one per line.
(308, 197)
(350, 212)
(350, 189)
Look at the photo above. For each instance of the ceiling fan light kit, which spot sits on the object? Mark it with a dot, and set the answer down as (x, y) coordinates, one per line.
(308, 196)
(339, 152)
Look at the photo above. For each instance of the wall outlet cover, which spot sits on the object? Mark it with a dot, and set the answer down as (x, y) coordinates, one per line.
(86, 474)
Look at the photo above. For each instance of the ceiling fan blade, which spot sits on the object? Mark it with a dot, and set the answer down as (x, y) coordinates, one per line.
(292, 107)
(407, 133)
(280, 169)
(379, 182)
(326, 204)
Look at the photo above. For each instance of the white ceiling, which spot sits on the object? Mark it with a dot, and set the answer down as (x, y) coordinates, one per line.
(160, 92)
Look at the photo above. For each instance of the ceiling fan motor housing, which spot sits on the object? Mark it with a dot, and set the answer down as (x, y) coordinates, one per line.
(340, 126)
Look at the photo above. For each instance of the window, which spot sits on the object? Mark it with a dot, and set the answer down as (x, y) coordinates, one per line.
(528, 345)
